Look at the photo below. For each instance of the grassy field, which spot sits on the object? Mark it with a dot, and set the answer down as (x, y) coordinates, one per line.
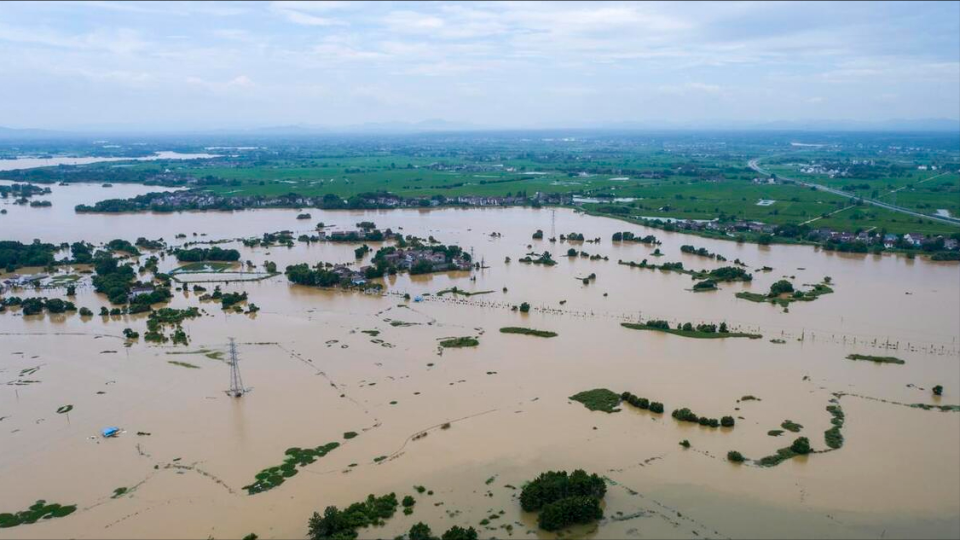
(682, 175)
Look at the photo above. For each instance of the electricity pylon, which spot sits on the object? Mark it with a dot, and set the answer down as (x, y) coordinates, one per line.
(236, 383)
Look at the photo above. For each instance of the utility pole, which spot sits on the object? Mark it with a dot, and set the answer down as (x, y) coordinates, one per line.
(236, 383)
(553, 223)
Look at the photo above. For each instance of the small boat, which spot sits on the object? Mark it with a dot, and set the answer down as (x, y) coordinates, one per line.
(110, 432)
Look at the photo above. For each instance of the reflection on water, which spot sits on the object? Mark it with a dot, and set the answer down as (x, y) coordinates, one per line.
(317, 375)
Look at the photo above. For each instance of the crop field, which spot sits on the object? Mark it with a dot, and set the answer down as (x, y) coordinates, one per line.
(677, 175)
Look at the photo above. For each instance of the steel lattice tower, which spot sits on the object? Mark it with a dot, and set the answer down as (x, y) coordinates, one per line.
(236, 383)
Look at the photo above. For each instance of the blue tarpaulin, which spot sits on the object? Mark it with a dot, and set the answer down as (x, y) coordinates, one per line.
(110, 431)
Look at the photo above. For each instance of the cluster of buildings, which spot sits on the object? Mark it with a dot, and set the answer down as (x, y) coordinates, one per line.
(889, 241)
(200, 200)
(471, 167)
(370, 235)
(356, 277)
(820, 169)
(14, 281)
(406, 259)
(403, 260)
(725, 227)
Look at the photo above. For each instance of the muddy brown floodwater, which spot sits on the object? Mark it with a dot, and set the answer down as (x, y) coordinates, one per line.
(315, 375)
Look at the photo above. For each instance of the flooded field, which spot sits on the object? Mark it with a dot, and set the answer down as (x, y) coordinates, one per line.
(28, 162)
(495, 415)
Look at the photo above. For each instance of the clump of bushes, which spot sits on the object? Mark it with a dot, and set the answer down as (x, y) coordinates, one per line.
(527, 331)
(686, 415)
(598, 399)
(705, 285)
(408, 503)
(781, 287)
(801, 446)
(790, 425)
(832, 436)
(460, 342)
(876, 359)
(642, 403)
(207, 254)
(343, 524)
(35, 306)
(228, 300)
(268, 479)
(735, 457)
(938, 390)
(563, 499)
(39, 510)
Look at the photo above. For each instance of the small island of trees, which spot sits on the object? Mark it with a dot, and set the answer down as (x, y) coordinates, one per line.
(783, 293)
(702, 330)
(545, 259)
(527, 332)
(564, 499)
(207, 254)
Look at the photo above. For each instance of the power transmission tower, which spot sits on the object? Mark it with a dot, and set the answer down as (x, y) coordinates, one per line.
(236, 383)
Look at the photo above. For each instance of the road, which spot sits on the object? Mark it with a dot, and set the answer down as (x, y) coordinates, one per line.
(755, 165)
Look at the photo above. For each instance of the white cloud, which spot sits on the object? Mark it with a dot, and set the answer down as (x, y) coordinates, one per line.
(691, 88)
(305, 13)
(525, 61)
(241, 81)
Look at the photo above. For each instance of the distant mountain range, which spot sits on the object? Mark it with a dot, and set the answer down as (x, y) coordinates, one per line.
(924, 124)
(439, 126)
(11, 133)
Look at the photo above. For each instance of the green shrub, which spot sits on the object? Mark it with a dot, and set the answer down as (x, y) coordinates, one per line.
(553, 486)
(781, 287)
(684, 415)
(598, 399)
(790, 425)
(727, 421)
(527, 331)
(343, 524)
(801, 446)
(735, 457)
(459, 533)
(569, 511)
(460, 342)
(420, 531)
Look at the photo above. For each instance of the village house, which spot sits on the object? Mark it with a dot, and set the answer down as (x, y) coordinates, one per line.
(916, 239)
(140, 290)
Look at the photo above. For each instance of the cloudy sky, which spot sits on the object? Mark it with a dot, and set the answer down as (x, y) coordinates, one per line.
(515, 64)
